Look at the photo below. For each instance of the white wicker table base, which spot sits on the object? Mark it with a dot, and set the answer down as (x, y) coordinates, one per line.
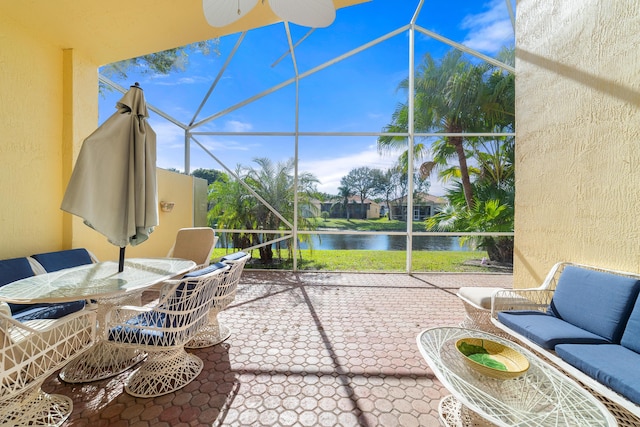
(35, 408)
(455, 414)
(212, 334)
(103, 360)
(163, 373)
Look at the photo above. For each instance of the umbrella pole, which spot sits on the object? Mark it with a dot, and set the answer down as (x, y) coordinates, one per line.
(121, 261)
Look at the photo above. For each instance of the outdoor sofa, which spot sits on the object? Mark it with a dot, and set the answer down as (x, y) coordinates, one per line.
(15, 269)
(586, 321)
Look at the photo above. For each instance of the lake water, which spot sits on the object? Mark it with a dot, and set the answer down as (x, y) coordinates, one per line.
(385, 243)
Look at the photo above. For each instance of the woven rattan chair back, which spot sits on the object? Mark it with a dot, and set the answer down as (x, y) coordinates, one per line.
(215, 332)
(30, 352)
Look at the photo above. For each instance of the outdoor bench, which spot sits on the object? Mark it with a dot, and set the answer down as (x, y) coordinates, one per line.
(586, 321)
(19, 268)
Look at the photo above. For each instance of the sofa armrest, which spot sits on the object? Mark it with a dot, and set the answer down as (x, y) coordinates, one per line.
(551, 280)
(528, 299)
(520, 299)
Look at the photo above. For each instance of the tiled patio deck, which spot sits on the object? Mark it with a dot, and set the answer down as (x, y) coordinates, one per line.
(307, 349)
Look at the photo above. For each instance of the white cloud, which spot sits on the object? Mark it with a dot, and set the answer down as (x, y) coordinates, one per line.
(169, 80)
(237, 126)
(168, 135)
(330, 170)
(170, 142)
(489, 31)
(227, 145)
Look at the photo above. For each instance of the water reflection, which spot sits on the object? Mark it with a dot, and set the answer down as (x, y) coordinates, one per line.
(385, 243)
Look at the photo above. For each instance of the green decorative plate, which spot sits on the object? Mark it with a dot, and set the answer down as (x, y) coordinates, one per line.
(492, 358)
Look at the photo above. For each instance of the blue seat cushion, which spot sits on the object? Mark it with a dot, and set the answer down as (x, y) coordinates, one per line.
(142, 336)
(47, 311)
(596, 301)
(233, 257)
(547, 330)
(54, 261)
(15, 269)
(610, 364)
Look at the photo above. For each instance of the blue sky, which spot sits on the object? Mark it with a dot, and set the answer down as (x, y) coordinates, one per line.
(357, 94)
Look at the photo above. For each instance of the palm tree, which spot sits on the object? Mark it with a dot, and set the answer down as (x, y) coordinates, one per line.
(234, 206)
(345, 191)
(494, 194)
(231, 208)
(275, 184)
(448, 97)
(454, 96)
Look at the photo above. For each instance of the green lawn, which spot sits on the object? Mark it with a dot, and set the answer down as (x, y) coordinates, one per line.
(362, 260)
(365, 260)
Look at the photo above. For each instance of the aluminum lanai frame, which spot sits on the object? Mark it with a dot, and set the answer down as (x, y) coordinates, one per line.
(190, 134)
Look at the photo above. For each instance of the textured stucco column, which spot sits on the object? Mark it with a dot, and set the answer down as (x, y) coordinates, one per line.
(578, 136)
(80, 118)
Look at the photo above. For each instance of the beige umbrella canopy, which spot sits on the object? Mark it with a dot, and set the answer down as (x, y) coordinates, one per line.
(113, 184)
(234, 16)
(308, 13)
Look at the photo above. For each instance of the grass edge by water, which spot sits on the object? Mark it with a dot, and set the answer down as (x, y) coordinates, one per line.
(371, 261)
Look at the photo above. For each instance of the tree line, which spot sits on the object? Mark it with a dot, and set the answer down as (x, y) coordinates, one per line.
(233, 203)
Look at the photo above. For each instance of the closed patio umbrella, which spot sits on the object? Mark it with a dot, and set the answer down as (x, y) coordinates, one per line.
(113, 184)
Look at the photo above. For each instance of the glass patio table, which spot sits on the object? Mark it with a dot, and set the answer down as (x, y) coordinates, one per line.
(542, 396)
(103, 287)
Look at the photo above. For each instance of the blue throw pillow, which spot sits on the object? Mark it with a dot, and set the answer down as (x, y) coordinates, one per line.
(595, 301)
(54, 261)
(14, 269)
(631, 336)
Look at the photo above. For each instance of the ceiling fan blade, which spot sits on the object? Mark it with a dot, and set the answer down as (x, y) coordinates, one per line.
(308, 13)
(219, 13)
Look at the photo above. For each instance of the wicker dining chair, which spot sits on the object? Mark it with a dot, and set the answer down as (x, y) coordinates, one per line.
(163, 328)
(215, 332)
(30, 352)
(196, 244)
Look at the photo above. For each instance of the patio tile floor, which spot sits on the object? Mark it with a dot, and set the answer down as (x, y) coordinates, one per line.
(307, 349)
